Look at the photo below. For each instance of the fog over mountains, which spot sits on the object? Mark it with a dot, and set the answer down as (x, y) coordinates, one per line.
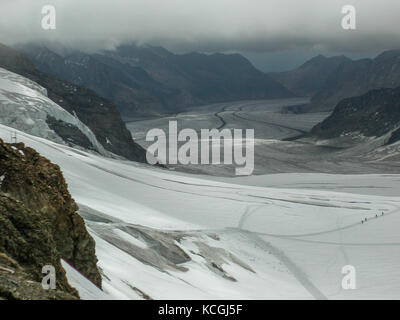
(206, 26)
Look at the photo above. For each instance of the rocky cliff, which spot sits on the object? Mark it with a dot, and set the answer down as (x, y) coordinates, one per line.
(39, 225)
(372, 115)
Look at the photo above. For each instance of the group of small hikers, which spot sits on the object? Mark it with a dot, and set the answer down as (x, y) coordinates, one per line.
(376, 216)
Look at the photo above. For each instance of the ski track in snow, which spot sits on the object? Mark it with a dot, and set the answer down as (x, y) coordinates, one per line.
(296, 271)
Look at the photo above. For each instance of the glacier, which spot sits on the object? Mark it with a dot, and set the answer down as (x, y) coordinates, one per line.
(24, 105)
(243, 240)
(175, 235)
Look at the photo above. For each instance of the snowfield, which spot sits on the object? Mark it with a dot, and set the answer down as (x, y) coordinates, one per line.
(163, 235)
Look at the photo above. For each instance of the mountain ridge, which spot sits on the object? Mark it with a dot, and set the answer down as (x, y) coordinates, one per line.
(152, 80)
(310, 77)
(339, 77)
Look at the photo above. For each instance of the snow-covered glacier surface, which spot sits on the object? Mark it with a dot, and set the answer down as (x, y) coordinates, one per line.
(24, 105)
(162, 235)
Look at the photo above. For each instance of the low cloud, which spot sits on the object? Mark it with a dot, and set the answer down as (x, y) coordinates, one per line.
(206, 25)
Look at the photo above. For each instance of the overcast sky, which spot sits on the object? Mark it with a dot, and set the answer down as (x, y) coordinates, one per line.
(265, 30)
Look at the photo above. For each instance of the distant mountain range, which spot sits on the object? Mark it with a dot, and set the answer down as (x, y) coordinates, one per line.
(98, 114)
(143, 80)
(364, 96)
(151, 80)
(329, 80)
(147, 80)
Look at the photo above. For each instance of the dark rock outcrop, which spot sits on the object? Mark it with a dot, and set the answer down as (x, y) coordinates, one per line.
(69, 133)
(395, 137)
(39, 225)
(372, 114)
(16, 284)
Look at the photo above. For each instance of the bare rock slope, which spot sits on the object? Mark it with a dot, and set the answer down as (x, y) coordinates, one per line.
(39, 225)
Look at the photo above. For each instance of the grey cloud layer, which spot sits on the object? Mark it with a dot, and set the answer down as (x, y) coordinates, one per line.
(206, 25)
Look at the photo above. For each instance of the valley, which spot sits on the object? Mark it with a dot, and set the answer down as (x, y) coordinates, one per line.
(279, 145)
